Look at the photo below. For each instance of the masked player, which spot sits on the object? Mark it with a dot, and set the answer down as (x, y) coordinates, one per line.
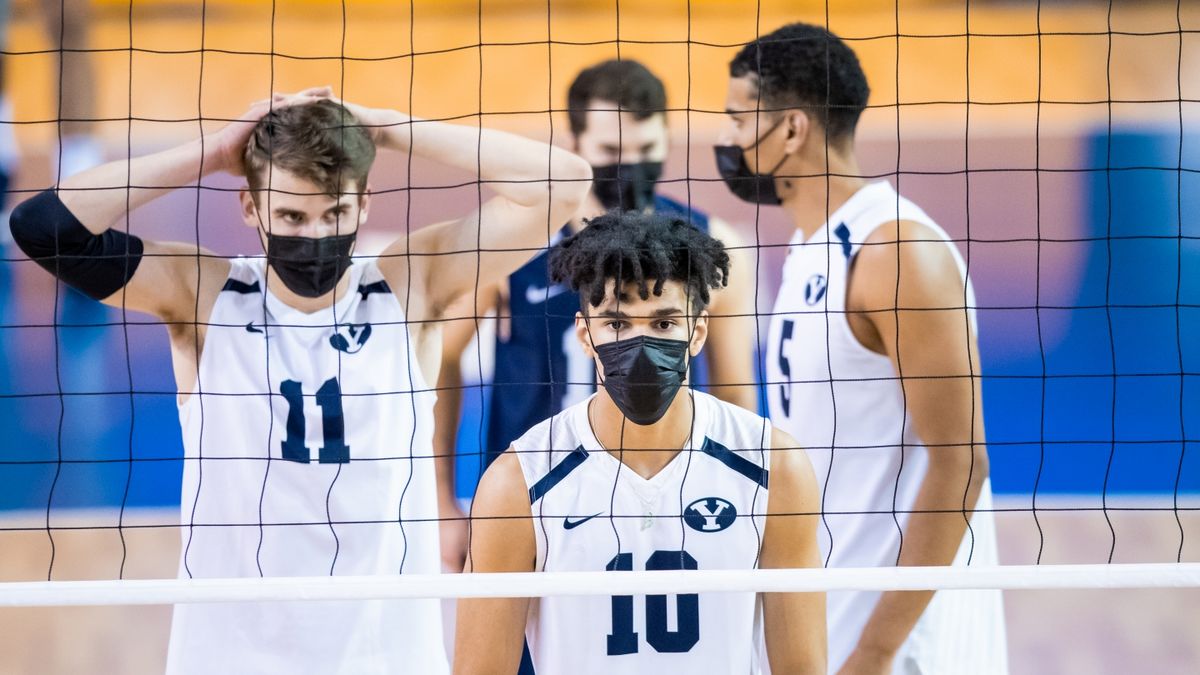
(872, 360)
(644, 474)
(538, 371)
(302, 376)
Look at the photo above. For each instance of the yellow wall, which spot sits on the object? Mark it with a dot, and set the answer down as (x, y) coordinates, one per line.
(523, 74)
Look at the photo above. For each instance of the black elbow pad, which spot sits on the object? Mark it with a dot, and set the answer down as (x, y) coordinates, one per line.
(95, 264)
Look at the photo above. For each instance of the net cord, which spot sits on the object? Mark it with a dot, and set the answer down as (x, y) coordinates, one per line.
(543, 584)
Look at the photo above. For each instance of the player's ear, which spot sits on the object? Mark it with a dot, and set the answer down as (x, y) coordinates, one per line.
(364, 204)
(797, 125)
(699, 334)
(583, 335)
(249, 209)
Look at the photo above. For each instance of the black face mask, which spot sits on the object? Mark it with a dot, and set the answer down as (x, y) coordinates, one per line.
(756, 188)
(628, 187)
(642, 375)
(310, 267)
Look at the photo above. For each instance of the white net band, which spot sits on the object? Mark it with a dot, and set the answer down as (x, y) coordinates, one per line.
(531, 584)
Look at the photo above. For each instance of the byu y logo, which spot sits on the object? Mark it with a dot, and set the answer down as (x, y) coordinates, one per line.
(350, 338)
(709, 514)
(814, 290)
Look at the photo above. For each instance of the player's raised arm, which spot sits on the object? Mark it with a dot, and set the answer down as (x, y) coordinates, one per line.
(70, 231)
(538, 187)
(489, 634)
(794, 622)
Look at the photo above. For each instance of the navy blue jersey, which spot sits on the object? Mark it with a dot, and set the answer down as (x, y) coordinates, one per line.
(540, 369)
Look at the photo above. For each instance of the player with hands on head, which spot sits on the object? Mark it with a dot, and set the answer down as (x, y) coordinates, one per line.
(303, 374)
(872, 360)
(646, 473)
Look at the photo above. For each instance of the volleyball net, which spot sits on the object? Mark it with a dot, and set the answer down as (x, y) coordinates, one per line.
(1052, 142)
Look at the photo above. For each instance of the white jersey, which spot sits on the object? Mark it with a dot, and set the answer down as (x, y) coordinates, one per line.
(865, 452)
(308, 451)
(704, 510)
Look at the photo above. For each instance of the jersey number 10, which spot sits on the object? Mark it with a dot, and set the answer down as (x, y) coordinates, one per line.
(623, 639)
(333, 424)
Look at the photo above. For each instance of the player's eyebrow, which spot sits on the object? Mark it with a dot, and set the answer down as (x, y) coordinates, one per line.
(656, 314)
(284, 211)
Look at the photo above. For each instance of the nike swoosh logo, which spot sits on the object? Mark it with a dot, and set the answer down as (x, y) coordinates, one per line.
(536, 294)
(569, 524)
(251, 329)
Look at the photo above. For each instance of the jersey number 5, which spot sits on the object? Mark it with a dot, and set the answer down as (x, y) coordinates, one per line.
(785, 368)
(623, 639)
(333, 423)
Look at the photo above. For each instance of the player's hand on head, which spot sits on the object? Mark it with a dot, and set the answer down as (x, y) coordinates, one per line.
(376, 121)
(228, 144)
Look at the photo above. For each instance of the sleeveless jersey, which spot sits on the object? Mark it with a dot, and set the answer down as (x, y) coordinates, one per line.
(308, 451)
(704, 510)
(539, 369)
(864, 450)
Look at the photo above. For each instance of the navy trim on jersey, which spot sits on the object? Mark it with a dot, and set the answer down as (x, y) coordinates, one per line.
(735, 461)
(557, 474)
(377, 287)
(843, 235)
(241, 287)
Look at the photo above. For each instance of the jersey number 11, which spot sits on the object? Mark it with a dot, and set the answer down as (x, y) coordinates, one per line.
(333, 423)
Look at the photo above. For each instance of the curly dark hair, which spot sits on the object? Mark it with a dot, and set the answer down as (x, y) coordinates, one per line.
(627, 83)
(321, 142)
(641, 248)
(808, 67)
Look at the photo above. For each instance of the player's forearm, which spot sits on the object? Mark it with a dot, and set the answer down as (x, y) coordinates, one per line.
(515, 167)
(487, 639)
(932, 537)
(100, 196)
(445, 430)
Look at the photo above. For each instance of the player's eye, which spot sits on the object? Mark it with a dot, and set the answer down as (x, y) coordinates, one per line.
(616, 325)
(293, 218)
(666, 324)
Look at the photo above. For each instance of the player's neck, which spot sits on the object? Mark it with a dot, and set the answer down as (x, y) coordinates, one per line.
(644, 449)
(303, 304)
(810, 201)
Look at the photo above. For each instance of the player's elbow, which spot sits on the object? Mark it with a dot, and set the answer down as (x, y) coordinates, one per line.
(23, 222)
(960, 471)
(96, 264)
(573, 178)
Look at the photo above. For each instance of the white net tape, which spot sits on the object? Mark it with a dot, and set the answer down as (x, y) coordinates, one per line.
(1006, 577)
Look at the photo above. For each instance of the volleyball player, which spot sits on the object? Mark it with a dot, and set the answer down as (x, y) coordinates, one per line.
(619, 125)
(646, 473)
(302, 375)
(872, 360)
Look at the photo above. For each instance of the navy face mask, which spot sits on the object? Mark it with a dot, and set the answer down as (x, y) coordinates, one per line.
(756, 188)
(310, 267)
(642, 375)
(629, 187)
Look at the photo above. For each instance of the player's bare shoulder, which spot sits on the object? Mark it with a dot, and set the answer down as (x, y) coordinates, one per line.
(792, 473)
